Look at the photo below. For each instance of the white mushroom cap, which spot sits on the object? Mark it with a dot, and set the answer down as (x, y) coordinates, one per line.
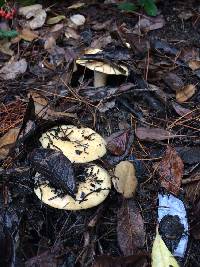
(90, 193)
(79, 145)
(99, 65)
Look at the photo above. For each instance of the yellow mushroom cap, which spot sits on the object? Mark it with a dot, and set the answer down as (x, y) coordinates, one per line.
(100, 66)
(79, 145)
(90, 193)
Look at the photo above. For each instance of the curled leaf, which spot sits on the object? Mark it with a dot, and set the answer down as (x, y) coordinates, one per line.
(117, 142)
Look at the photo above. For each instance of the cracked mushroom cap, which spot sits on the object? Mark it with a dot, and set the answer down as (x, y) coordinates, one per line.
(91, 192)
(79, 145)
(100, 66)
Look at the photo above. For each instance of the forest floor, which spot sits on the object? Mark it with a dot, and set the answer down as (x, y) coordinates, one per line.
(149, 115)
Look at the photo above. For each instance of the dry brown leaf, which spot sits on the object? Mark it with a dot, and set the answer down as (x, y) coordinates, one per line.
(194, 64)
(185, 93)
(130, 228)
(43, 110)
(151, 134)
(117, 142)
(149, 24)
(125, 181)
(5, 47)
(171, 171)
(7, 141)
(28, 35)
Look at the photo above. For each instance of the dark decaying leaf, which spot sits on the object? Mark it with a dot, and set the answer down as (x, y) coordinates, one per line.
(55, 167)
(117, 142)
(51, 258)
(151, 134)
(189, 155)
(195, 227)
(173, 81)
(149, 24)
(192, 187)
(130, 228)
(139, 260)
(181, 110)
(113, 160)
(7, 247)
(171, 171)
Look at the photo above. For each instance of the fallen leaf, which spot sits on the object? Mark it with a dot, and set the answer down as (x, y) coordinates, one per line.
(196, 221)
(194, 64)
(130, 228)
(173, 81)
(117, 142)
(5, 47)
(191, 187)
(185, 93)
(56, 19)
(7, 141)
(149, 24)
(125, 181)
(151, 134)
(53, 257)
(138, 260)
(39, 16)
(71, 33)
(189, 155)
(28, 35)
(13, 68)
(171, 171)
(189, 53)
(76, 6)
(181, 110)
(161, 256)
(43, 110)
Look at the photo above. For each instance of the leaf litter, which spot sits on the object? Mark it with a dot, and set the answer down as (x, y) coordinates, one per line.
(154, 108)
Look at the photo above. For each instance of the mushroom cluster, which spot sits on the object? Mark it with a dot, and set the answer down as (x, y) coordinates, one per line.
(79, 145)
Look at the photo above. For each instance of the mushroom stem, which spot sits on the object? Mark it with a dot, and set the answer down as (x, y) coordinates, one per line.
(99, 79)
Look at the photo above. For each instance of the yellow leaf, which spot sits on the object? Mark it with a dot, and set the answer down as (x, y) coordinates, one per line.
(185, 93)
(161, 256)
(56, 19)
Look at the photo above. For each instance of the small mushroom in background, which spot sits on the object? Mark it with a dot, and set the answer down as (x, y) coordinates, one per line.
(91, 192)
(125, 180)
(100, 68)
(79, 145)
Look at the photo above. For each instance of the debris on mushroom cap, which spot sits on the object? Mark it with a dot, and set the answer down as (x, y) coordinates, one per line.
(90, 193)
(79, 145)
(100, 66)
